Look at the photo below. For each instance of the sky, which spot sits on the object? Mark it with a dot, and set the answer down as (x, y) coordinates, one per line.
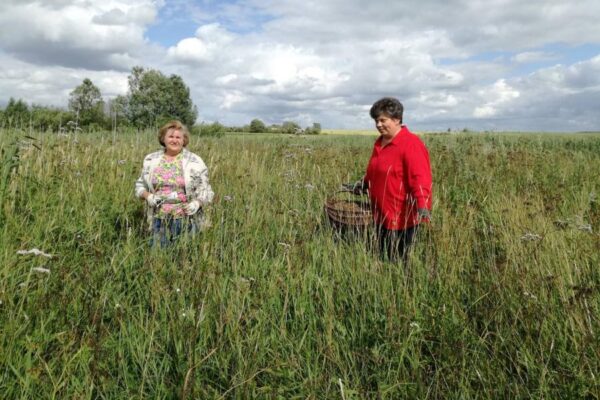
(493, 65)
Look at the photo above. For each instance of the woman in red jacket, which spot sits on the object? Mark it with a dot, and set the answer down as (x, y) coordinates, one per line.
(398, 180)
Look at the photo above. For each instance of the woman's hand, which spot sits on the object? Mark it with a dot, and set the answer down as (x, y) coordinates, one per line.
(151, 200)
(192, 207)
(423, 215)
(359, 187)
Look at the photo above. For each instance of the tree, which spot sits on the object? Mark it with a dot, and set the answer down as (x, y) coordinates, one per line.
(215, 129)
(86, 102)
(154, 99)
(291, 127)
(314, 130)
(50, 119)
(117, 109)
(16, 113)
(257, 126)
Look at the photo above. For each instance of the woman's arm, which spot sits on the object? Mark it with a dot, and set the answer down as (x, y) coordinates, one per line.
(142, 189)
(202, 190)
(199, 186)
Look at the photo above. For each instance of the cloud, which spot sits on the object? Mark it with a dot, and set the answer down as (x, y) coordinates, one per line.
(107, 35)
(482, 65)
(533, 56)
(496, 96)
(204, 47)
(52, 85)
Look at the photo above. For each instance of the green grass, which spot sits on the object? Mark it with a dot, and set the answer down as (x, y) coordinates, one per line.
(352, 132)
(501, 299)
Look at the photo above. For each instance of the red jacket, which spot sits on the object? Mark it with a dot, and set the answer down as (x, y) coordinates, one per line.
(399, 180)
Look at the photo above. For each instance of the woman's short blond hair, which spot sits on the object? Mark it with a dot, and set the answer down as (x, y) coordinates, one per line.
(173, 126)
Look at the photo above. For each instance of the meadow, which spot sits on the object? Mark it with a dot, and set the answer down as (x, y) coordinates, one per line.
(501, 298)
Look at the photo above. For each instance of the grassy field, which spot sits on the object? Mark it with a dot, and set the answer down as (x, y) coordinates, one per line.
(501, 299)
(365, 132)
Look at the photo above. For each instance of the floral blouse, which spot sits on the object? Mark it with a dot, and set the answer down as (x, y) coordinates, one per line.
(168, 181)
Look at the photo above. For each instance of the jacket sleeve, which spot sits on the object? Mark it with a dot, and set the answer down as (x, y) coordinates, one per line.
(201, 189)
(419, 174)
(141, 184)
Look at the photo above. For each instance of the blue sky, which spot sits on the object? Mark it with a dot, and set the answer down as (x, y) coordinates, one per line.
(493, 65)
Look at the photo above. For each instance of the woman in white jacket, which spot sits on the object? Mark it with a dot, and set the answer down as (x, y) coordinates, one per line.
(174, 184)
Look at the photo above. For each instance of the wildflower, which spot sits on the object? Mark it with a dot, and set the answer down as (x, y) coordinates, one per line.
(585, 228)
(529, 237)
(227, 198)
(531, 295)
(247, 280)
(177, 290)
(560, 224)
(41, 270)
(35, 252)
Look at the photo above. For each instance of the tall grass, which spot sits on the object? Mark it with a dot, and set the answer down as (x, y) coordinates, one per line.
(501, 299)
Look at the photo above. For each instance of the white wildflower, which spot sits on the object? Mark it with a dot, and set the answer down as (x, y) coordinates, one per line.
(35, 252)
(585, 228)
(247, 280)
(531, 295)
(529, 237)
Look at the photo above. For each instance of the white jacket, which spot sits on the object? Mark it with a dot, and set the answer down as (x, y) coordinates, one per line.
(195, 175)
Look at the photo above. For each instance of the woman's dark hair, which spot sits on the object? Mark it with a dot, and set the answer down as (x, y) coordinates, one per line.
(388, 106)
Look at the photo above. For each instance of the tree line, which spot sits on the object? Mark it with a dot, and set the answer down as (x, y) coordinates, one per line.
(152, 99)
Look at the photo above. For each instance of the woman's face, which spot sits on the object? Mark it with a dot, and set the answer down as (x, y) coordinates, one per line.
(387, 126)
(173, 142)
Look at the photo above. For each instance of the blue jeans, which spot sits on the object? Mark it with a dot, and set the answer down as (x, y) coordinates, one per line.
(166, 231)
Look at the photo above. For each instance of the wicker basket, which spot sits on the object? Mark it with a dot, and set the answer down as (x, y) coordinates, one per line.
(352, 214)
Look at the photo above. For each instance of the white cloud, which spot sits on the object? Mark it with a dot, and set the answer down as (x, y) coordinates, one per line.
(497, 95)
(453, 63)
(107, 34)
(209, 41)
(231, 98)
(533, 56)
